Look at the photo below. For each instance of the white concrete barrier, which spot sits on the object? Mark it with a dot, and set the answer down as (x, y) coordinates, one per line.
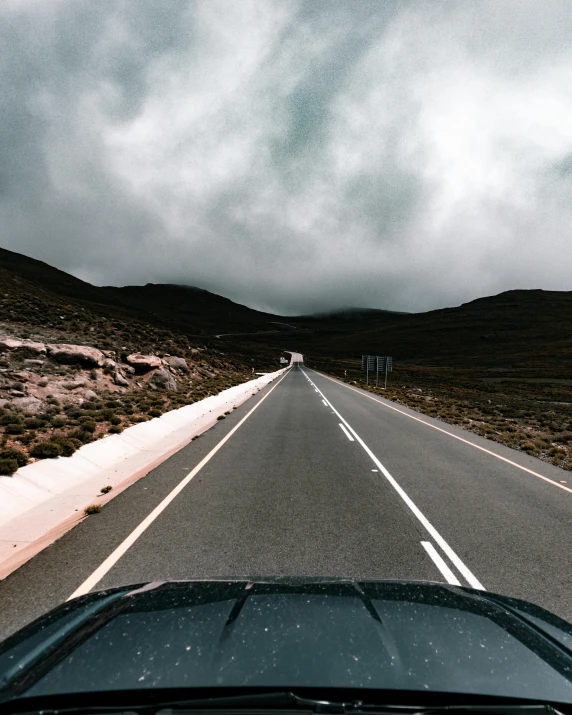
(44, 499)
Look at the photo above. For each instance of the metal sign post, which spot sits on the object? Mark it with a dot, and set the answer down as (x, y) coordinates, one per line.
(380, 365)
(388, 368)
(377, 363)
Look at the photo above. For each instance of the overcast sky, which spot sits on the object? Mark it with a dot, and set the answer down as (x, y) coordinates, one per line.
(292, 156)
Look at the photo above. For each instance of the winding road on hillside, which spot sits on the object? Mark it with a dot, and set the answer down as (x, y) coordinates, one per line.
(318, 478)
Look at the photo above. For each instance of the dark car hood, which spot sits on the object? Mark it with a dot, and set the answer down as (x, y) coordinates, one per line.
(389, 635)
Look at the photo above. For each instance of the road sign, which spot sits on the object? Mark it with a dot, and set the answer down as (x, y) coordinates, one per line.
(377, 363)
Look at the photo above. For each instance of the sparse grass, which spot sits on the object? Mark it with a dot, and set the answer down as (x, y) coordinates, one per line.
(87, 424)
(92, 509)
(33, 423)
(17, 455)
(106, 490)
(69, 445)
(8, 466)
(46, 450)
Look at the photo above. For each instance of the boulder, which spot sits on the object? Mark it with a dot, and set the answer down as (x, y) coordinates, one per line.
(31, 361)
(118, 379)
(28, 404)
(90, 395)
(8, 343)
(76, 354)
(129, 369)
(22, 376)
(143, 363)
(31, 347)
(163, 380)
(177, 362)
(74, 384)
(109, 364)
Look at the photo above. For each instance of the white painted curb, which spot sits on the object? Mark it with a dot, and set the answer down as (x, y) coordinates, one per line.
(44, 499)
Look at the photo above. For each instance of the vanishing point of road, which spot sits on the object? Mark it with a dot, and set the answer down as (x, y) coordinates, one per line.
(312, 477)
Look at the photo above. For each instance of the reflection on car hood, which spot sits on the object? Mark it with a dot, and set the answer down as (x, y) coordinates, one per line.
(413, 636)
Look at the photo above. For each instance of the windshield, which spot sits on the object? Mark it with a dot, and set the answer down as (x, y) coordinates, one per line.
(285, 346)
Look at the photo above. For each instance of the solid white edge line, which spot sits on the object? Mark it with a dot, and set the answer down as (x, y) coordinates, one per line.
(448, 575)
(459, 565)
(348, 435)
(115, 555)
(444, 431)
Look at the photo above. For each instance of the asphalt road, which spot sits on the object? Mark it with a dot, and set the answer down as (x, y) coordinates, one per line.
(321, 480)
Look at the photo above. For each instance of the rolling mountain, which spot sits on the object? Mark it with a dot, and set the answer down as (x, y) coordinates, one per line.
(192, 310)
(517, 327)
(514, 328)
(195, 309)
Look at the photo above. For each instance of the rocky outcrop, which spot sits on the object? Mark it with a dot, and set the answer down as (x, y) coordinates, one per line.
(163, 380)
(25, 347)
(28, 404)
(74, 384)
(8, 343)
(120, 380)
(76, 354)
(144, 363)
(178, 363)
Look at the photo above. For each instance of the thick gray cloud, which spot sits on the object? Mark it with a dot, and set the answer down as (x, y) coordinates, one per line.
(294, 156)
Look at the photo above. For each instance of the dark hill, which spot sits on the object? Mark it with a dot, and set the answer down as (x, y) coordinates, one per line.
(524, 327)
(355, 315)
(195, 309)
(45, 276)
(192, 310)
(517, 327)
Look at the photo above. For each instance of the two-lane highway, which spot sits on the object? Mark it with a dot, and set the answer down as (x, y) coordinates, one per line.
(314, 478)
(505, 513)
